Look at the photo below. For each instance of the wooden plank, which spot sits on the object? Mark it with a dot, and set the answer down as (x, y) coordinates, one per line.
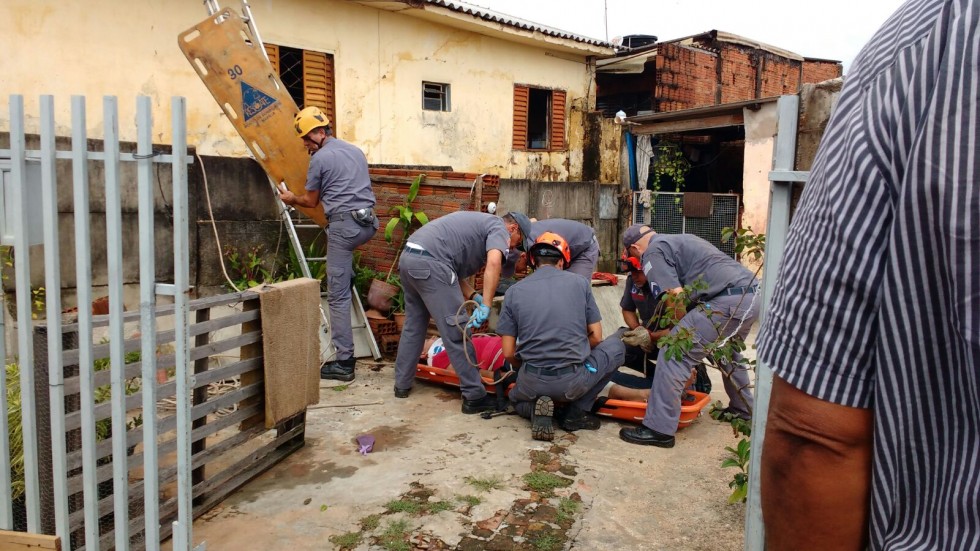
(702, 123)
(558, 113)
(521, 94)
(244, 84)
(23, 540)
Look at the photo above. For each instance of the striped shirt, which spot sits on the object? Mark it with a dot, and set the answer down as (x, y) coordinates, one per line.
(878, 297)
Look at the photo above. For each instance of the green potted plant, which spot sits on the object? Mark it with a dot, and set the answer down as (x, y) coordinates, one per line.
(381, 293)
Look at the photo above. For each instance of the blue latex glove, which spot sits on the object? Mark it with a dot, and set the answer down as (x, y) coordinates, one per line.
(479, 317)
(477, 298)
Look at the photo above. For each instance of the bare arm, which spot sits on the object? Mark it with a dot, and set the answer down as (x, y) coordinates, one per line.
(491, 273)
(816, 472)
(508, 345)
(631, 319)
(595, 334)
(309, 200)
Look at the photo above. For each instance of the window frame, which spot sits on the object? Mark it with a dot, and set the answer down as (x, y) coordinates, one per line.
(556, 123)
(318, 78)
(445, 96)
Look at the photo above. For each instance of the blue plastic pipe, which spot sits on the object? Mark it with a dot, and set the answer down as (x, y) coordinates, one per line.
(631, 148)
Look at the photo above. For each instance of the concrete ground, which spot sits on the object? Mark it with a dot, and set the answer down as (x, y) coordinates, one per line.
(438, 479)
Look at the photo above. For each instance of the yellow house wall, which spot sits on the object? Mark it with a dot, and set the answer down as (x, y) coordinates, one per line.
(760, 140)
(125, 49)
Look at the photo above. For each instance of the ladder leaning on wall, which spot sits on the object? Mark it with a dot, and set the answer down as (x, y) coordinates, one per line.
(230, 58)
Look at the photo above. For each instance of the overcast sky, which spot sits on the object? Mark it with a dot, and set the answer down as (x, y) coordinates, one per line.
(829, 29)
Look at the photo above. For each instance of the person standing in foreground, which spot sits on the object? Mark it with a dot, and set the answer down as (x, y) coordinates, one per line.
(725, 307)
(338, 179)
(873, 434)
(561, 355)
(433, 266)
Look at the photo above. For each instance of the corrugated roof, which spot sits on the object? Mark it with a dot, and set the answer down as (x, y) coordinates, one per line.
(516, 22)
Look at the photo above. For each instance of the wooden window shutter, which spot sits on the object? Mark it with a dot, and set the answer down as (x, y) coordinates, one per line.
(558, 120)
(520, 117)
(272, 51)
(318, 83)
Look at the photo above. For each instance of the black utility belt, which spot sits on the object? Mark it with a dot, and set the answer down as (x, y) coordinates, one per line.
(364, 217)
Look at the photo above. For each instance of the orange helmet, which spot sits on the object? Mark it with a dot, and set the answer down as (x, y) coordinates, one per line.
(550, 244)
(628, 263)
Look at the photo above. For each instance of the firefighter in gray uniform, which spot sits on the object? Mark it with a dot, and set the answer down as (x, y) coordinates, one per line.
(561, 355)
(434, 264)
(338, 179)
(581, 239)
(728, 306)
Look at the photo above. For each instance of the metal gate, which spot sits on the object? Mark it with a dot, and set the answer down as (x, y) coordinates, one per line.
(71, 449)
(664, 212)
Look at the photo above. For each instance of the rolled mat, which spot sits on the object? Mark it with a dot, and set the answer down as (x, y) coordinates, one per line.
(290, 314)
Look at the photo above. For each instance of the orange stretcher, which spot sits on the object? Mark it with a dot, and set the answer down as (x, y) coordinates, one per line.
(691, 404)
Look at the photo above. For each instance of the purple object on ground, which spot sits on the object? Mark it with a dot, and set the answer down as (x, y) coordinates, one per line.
(365, 443)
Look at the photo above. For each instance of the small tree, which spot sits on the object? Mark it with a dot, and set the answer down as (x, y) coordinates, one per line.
(405, 215)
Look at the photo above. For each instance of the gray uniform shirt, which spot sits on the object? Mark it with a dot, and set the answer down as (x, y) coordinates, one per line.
(462, 239)
(578, 236)
(339, 171)
(672, 261)
(549, 312)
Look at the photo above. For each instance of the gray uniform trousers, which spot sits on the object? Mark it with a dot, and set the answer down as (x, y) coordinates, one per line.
(432, 289)
(727, 313)
(343, 236)
(580, 386)
(584, 264)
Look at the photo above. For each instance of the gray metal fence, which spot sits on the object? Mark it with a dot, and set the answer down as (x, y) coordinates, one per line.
(20, 195)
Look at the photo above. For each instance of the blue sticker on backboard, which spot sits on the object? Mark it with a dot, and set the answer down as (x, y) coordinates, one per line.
(255, 101)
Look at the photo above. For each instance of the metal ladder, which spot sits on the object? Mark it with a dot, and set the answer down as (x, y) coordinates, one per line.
(363, 337)
(364, 343)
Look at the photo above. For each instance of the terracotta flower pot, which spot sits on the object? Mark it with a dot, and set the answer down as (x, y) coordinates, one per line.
(399, 320)
(380, 294)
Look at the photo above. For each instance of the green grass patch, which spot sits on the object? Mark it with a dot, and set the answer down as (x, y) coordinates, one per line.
(485, 484)
(370, 523)
(547, 542)
(472, 501)
(350, 540)
(439, 507)
(339, 388)
(404, 506)
(545, 483)
(395, 536)
(567, 509)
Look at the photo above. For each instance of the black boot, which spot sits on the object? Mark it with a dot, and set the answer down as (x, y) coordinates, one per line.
(338, 370)
(573, 419)
(646, 437)
(486, 403)
(541, 425)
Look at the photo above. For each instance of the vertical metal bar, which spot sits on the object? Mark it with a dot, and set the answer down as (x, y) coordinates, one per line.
(52, 284)
(6, 501)
(200, 396)
(25, 342)
(780, 201)
(117, 377)
(185, 381)
(83, 291)
(148, 325)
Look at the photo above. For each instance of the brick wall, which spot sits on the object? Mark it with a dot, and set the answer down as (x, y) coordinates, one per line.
(688, 77)
(819, 71)
(440, 193)
(685, 77)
